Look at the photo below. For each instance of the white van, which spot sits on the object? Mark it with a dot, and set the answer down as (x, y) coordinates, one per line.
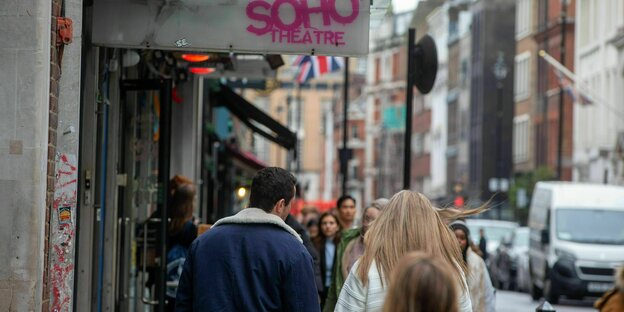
(576, 239)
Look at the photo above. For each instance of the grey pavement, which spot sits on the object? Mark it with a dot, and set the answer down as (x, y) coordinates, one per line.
(507, 301)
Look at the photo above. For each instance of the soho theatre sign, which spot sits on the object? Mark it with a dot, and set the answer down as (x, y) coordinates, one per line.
(328, 27)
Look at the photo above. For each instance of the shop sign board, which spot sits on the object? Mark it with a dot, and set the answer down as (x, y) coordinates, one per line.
(323, 27)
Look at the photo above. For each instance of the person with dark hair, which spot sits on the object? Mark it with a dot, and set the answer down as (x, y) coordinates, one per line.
(181, 233)
(308, 214)
(307, 242)
(482, 293)
(313, 228)
(350, 249)
(252, 261)
(346, 212)
(325, 243)
(181, 228)
(483, 244)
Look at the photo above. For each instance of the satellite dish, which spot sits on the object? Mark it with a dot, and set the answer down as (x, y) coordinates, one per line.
(425, 64)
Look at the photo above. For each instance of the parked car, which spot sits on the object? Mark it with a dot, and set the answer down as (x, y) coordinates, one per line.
(494, 230)
(576, 239)
(509, 264)
(521, 253)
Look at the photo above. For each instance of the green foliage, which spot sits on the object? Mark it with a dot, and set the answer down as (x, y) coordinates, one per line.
(527, 181)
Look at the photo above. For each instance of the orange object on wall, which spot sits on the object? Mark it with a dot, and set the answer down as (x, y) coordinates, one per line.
(64, 30)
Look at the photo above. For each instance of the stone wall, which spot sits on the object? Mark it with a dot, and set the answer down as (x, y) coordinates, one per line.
(24, 112)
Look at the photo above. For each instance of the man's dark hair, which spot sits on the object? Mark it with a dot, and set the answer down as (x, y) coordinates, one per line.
(269, 185)
(342, 199)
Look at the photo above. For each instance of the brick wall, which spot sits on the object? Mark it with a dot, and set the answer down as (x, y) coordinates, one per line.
(55, 76)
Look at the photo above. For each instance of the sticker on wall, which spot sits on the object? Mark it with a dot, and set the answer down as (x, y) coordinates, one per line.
(64, 216)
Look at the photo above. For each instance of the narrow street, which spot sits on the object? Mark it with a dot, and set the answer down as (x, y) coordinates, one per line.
(509, 301)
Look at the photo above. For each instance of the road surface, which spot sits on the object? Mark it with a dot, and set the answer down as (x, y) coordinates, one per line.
(507, 301)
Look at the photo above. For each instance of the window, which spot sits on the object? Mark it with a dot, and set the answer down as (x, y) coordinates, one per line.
(463, 73)
(523, 18)
(521, 138)
(523, 76)
(396, 63)
(377, 69)
(418, 144)
(427, 143)
(386, 70)
(355, 131)
(584, 19)
(352, 172)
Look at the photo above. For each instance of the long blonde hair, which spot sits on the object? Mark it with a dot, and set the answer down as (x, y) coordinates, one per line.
(421, 283)
(409, 222)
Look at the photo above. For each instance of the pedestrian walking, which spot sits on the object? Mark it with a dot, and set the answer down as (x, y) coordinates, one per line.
(346, 212)
(350, 249)
(309, 213)
(409, 222)
(482, 293)
(177, 181)
(181, 233)
(307, 242)
(325, 243)
(313, 228)
(483, 244)
(252, 261)
(613, 300)
(421, 283)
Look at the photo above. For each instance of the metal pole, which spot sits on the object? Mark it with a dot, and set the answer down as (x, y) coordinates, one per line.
(289, 153)
(562, 54)
(499, 119)
(343, 158)
(407, 149)
(298, 148)
(164, 156)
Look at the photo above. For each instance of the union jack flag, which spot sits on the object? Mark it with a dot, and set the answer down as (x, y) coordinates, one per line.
(315, 66)
(569, 87)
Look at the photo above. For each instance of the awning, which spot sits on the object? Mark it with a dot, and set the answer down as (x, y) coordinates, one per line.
(254, 118)
(245, 157)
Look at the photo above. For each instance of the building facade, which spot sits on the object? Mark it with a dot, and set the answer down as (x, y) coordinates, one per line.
(548, 37)
(39, 127)
(491, 104)
(385, 107)
(458, 99)
(302, 108)
(596, 126)
(525, 88)
(438, 21)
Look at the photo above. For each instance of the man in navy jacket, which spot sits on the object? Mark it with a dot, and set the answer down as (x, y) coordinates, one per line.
(251, 261)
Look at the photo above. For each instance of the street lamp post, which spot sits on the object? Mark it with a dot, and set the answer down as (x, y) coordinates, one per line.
(500, 73)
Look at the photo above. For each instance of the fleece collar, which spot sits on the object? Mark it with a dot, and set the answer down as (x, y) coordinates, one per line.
(257, 216)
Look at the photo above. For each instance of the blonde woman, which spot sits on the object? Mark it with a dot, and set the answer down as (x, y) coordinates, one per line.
(421, 283)
(409, 222)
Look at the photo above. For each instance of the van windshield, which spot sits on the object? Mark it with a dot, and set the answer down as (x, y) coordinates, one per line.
(591, 226)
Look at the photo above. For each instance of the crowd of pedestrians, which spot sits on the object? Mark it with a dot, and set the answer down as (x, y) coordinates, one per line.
(398, 254)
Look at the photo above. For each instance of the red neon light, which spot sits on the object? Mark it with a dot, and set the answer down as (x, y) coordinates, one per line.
(194, 58)
(201, 70)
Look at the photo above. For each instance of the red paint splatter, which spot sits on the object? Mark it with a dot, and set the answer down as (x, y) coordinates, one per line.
(69, 183)
(66, 162)
(59, 252)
